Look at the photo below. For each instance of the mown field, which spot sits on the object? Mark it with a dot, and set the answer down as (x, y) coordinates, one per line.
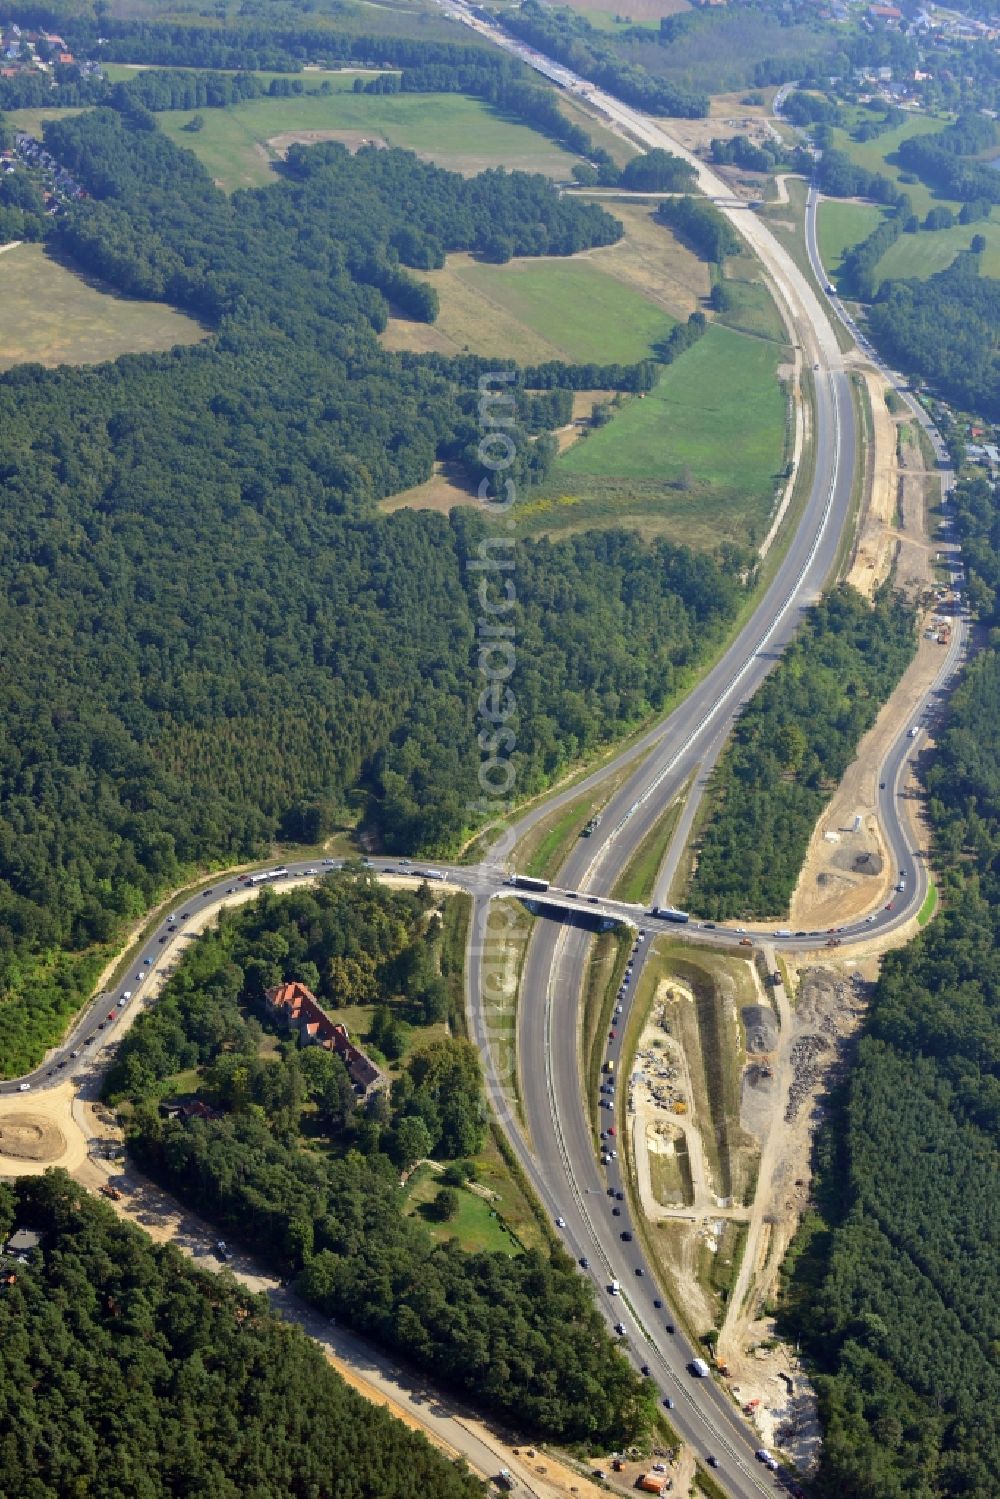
(32, 120)
(699, 458)
(50, 315)
(918, 255)
(921, 255)
(874, 155)
(605, 304)
(841, 226)
(462, 134)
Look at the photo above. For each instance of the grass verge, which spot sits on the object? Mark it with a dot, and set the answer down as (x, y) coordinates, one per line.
(638, 878)
(929, 906)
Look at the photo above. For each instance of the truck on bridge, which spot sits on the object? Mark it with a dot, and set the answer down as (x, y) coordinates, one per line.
(526, 882)
(670, 913)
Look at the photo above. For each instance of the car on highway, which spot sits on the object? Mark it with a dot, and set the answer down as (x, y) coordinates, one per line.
(24, 1088)
(584, 1262)
(657, 1302)
(670, 1328)
(560, 1223)
(626, 1236)
(616, 1212)
(639, 1270)
(646, 1370)
(147, 960)
(713, 1461)
(668, 1402)
(620, 1329)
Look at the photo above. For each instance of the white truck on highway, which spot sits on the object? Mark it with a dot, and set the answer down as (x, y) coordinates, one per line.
(698, 1368)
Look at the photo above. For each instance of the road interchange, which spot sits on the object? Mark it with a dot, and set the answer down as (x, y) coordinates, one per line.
(556, 1149)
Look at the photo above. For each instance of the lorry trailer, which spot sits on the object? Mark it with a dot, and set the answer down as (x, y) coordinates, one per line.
(526, 882)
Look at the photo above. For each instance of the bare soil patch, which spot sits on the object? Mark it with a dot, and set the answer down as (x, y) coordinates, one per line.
(39, 1134)
(31, 1137)
(352, 139)
(812, 1050)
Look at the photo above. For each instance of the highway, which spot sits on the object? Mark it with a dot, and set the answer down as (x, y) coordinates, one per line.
(556, 1149)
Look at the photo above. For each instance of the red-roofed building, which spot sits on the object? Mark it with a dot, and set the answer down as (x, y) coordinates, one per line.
(299, 1010)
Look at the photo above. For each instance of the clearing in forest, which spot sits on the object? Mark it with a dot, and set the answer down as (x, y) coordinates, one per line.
(50, 315)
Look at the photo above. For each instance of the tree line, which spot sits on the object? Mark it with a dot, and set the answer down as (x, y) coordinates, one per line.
(944, 330)
(700, 226)
(312, 1184)
(128, 1371)
(791, 746)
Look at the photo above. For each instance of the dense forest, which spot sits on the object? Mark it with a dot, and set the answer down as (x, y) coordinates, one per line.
(156, 717)
(945, 330)
(893, 1285)
(978, 524)
(310, 1181)
(126, 1371)
(791, 746)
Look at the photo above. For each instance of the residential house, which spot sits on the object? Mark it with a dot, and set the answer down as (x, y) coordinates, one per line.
(297, 1008)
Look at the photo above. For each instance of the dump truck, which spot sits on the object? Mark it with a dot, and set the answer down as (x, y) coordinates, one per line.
(651, 1483)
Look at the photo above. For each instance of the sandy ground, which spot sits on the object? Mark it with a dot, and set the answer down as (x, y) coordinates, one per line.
(844, 873)
(352, 139)
(813, 1049)
(893, 526)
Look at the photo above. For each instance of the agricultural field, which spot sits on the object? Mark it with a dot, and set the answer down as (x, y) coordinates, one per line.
(698, 458)
(752, 309)
(241, 145)
(51, 315)
(605, 304)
